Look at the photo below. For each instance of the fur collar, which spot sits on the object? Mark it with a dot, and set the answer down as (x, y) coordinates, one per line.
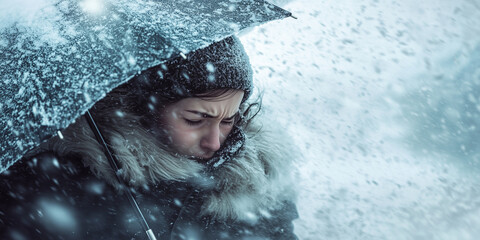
(253, 182)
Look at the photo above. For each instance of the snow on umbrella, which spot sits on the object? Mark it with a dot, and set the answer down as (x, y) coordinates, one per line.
(59, 57)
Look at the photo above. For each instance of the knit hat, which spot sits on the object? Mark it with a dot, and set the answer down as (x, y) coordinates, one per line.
(223, 64)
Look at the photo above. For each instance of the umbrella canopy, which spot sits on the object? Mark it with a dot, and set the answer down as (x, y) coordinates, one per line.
(59, 57)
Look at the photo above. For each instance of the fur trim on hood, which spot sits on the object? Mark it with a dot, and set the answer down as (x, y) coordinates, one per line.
(253, 182)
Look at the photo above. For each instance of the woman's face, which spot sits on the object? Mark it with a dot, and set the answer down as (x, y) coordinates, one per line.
(198, 127)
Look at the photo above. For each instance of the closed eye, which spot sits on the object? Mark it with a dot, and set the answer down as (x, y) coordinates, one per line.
(231, 120)
(228, 123)
(192, 122)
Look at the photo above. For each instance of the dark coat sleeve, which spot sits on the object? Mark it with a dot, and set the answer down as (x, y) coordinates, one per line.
(276, 225)
(280, 224)
(52, 198)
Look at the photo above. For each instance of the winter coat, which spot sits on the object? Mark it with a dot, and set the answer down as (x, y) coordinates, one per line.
(72, 194)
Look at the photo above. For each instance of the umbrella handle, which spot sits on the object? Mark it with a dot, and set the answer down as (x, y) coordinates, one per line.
(114, 164)
(150, 235)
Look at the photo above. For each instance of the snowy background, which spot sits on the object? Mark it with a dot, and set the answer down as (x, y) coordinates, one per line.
(383, 100)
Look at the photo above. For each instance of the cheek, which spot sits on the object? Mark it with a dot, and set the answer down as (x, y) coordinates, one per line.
(224, 133)
(183, 137)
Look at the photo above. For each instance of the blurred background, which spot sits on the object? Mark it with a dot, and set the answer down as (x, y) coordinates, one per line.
(382, 99)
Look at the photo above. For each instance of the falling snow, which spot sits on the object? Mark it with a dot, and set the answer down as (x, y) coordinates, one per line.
(381, 98)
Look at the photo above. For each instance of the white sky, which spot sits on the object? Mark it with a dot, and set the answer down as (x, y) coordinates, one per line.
(356, 83)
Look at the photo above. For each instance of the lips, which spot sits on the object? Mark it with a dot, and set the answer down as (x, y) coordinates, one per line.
(207, 156)
(202, 156)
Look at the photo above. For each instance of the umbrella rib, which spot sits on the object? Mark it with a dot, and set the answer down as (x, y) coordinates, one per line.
(114, 164)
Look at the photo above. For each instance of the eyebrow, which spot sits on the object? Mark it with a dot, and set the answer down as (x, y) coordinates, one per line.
(203, 114)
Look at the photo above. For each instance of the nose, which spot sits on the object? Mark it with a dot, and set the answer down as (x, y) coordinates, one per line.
(211, 138)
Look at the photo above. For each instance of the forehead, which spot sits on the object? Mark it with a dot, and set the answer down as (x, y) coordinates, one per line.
(226, 104)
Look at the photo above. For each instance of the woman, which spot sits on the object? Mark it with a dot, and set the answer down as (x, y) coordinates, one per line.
(199, 164)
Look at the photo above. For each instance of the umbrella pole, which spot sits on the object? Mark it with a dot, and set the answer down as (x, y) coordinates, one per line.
(114, 164)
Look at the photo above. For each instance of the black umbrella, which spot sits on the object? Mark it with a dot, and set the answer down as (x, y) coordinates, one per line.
(59, 57)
